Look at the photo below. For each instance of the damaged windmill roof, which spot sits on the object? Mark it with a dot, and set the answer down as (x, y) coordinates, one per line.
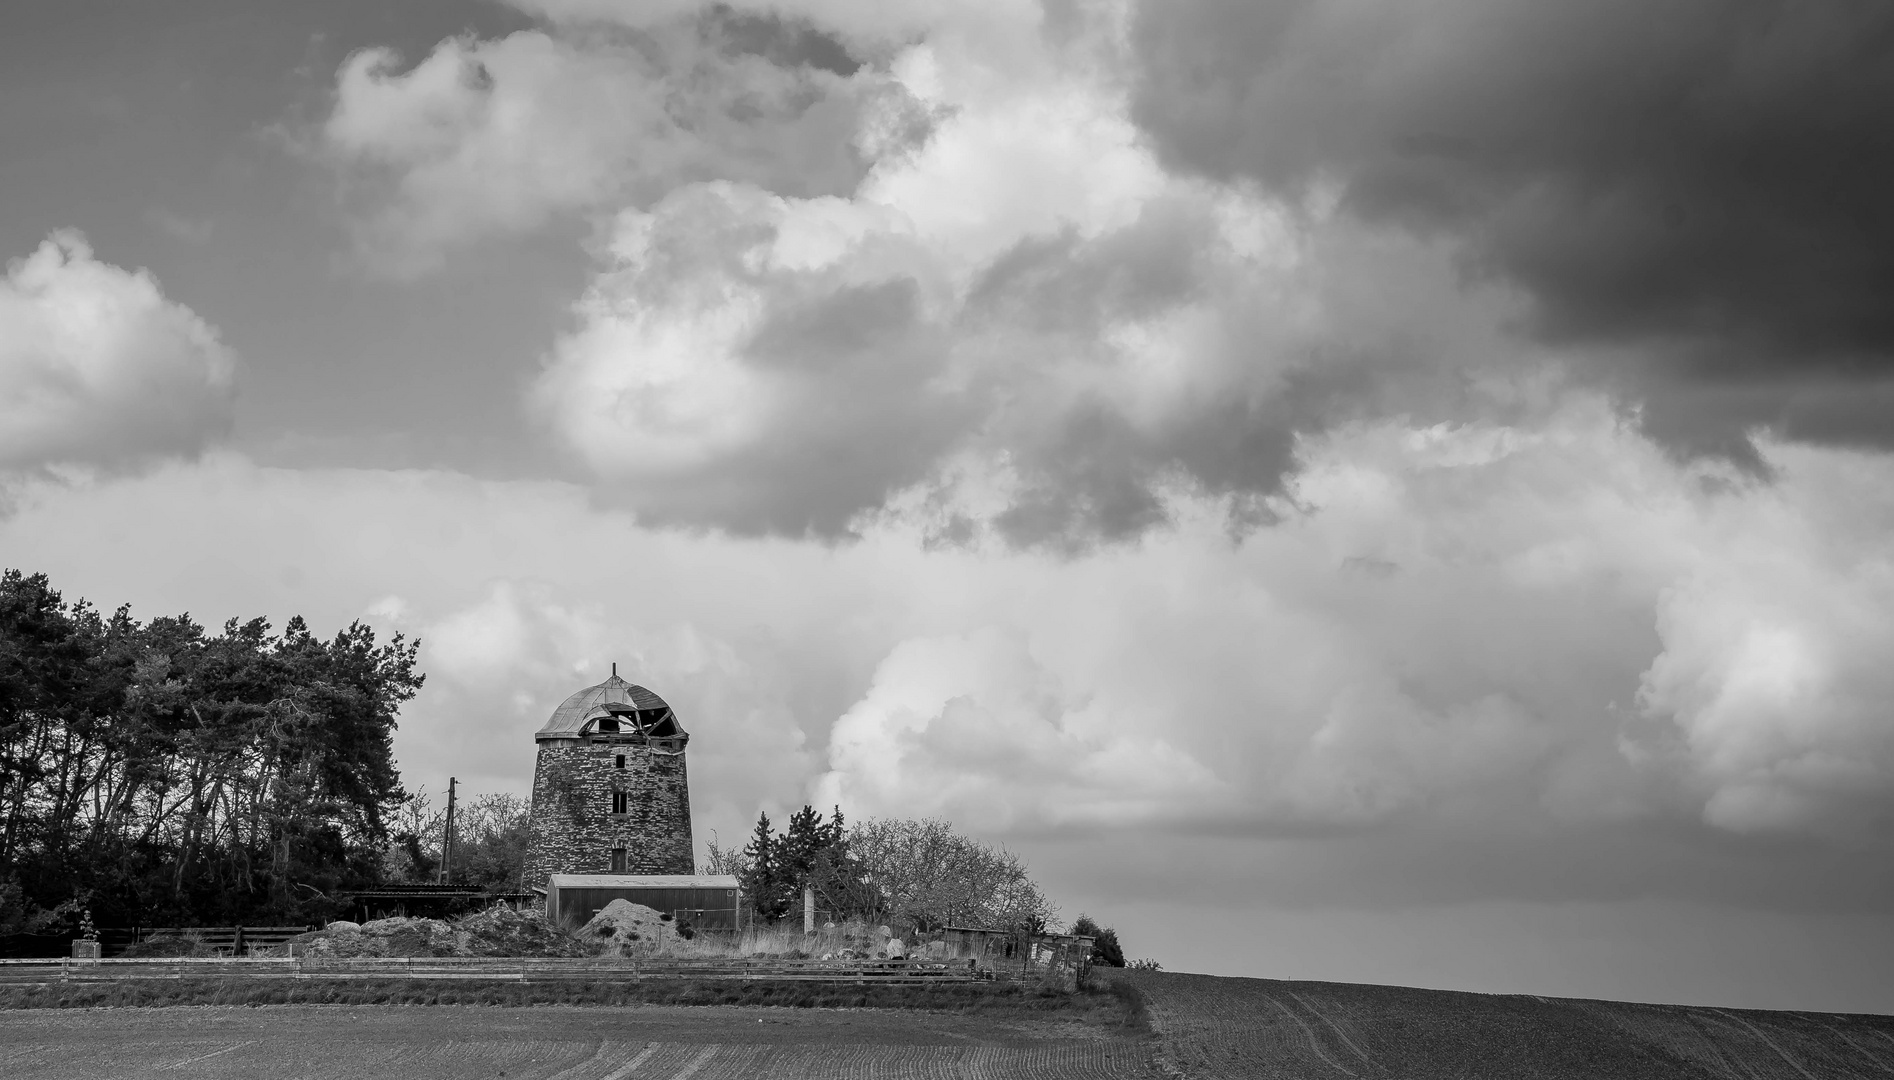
(570, 717)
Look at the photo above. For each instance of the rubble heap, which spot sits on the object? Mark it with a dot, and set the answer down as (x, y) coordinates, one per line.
(622, 927)
(498, 931)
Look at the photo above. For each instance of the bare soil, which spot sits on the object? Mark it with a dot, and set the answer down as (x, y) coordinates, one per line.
(1254, 1029)
(635, 1043)
(1200, 1027)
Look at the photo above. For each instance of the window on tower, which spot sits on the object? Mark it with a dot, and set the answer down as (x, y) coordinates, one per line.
(618, 860)
(618, 802)
(621, 761)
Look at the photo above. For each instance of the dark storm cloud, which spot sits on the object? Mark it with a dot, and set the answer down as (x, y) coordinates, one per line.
(1694, 194)
(782, 41)
(1089, 472)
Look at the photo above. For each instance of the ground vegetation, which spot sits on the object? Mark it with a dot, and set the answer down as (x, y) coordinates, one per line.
(1099, 1007)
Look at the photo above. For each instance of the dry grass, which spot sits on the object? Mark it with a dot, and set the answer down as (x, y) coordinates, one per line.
(761, 942)
(1098, 1006)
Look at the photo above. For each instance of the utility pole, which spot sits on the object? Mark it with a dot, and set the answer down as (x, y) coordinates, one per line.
(447, 838)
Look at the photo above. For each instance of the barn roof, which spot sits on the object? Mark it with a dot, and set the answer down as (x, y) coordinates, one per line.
(569, 718)
(643, 881)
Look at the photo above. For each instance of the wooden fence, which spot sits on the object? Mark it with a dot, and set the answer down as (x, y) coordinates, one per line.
(490, 969)
(234, 940)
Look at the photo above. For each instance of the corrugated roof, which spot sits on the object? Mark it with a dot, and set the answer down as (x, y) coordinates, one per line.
(643, 881)
(569, 717)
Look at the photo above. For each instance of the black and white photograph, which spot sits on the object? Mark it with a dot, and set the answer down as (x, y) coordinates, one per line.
(921, 539)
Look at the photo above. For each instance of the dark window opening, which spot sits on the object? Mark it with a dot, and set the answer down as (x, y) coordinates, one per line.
(618, 858)
(608, 724)
(621, 761)
(618, 802)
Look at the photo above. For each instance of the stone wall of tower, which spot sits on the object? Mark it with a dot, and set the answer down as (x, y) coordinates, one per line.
(574, 829)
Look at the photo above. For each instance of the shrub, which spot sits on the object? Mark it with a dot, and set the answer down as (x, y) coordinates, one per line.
(1105, 948)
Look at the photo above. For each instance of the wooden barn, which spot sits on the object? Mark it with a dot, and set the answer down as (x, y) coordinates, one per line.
(703, 902)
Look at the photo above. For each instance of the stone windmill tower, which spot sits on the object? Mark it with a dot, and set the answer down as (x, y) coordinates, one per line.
(610, 795)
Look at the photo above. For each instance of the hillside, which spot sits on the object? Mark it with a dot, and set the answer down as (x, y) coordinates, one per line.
(1204, 1028)
(1252, 1029)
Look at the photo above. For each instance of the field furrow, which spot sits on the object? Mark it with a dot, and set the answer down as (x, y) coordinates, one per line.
(1257, 1029)
(1339, 1028)
(1203, 1028)
(639, 1043)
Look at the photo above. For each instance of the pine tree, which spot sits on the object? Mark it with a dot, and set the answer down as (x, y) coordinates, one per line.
(764, 882)
(800, 846)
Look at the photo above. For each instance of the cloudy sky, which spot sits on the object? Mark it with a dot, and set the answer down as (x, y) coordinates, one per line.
(1379, 492)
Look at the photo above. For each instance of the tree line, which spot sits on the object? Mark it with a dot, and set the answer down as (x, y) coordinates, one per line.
(917, 877)
(154, 772)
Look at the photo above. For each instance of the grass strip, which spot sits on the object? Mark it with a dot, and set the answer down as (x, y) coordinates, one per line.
(1107, 1005)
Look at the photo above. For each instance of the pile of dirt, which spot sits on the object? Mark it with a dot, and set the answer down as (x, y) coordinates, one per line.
(622, 927)
(386, 937)
(502, 931)
(498, 931)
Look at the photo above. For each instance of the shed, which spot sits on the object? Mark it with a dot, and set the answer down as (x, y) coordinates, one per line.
(1060, 960)
(704, 901)
(984, 947)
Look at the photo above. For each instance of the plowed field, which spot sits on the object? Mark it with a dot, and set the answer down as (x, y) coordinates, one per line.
(1205, 1028)
(1254, 1029)
(636, 1043)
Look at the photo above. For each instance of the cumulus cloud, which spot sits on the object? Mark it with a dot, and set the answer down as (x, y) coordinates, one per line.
(491, 137)
(1773, 677)
(1692, 198)
(1467, 634)
(985, 302)
(971, 726)
(99, 368)
(736, 363)
(1024, 301)
(1030, 270)
(1022, 325)
(1550, 627)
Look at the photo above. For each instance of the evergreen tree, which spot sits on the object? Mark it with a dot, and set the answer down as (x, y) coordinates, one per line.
(1105, 948)
(810, 852)
(763, 882)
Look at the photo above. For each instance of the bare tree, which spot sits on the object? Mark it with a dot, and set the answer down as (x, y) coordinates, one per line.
(927, 876)
(719, 859)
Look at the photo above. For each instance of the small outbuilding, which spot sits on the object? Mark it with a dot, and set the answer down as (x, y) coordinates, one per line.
(1058, 960)
(701, 901)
